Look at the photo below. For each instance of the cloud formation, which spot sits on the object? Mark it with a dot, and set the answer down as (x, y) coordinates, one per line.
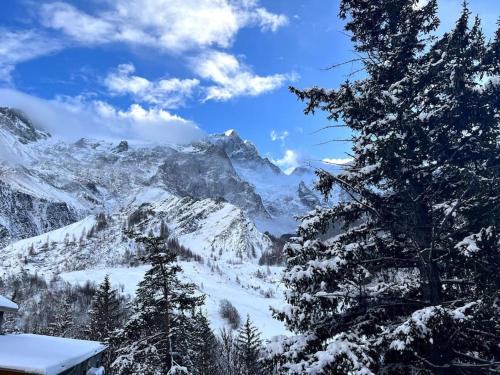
(20, 46)
(172, 25)
(76, 117)
(183, 28)
(276, 136)
(337, 161)
(233, 78)
(289, 161)
(165, 93)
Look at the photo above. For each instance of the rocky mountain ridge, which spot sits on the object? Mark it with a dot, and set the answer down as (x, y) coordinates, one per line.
(89, 176)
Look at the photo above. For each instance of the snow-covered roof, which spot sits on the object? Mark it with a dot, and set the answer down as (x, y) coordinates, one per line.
(44, 355)
(7, 305)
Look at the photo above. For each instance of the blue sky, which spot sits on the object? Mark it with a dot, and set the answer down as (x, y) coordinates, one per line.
(171, 70)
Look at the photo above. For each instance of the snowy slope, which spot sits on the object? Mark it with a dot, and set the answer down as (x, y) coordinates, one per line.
(251, 295)
(227, 245)
(213, 230)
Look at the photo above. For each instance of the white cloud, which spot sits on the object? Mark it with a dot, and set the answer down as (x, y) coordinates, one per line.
(276, 136)
(76, 117)
(19, 46)
(166, 93)
(153, 124)
(289, 161)
(76, 24)
(337, 161)
(269, 21)
(233, 78)
(173, 25)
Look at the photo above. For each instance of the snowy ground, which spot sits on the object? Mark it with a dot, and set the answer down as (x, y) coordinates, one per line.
(246, 295)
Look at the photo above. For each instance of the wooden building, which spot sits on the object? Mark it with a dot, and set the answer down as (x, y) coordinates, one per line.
(46, 355)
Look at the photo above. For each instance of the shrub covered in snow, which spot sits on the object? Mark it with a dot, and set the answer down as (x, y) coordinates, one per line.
(229, 312)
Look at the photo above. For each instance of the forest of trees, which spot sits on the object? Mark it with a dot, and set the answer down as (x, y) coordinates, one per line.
(410, 285)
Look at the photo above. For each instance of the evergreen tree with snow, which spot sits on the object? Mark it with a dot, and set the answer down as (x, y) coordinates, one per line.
(153, 339)
(228, 359)
(62, 323)
(411, 285)
(10, 324)
(249, 347)
(104, 313)
(204, 347)
(491, 76)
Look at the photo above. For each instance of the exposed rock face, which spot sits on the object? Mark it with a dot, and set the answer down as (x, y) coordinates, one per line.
(90, 176)
(23, 215)
(207, 172)
(122, 147)
(243, 153)
(307, 197)
(16, 123)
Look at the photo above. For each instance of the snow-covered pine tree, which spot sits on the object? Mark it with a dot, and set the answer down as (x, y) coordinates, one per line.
(148, 343)
(10, 325)
(492, 64)
(228, 360)
(62, 323)
(204, 347)
(249, 349)
(410, 286)
(104, 312)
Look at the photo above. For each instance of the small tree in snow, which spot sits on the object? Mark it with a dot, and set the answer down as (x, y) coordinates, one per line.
(62, 322)
(105, 313)
(230, 313)
(249, 347)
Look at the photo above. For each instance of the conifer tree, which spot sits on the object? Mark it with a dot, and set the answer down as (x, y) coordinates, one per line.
(9, 324)
(228, 360)
(492, 58)
(104, 313)
(249, 347)
(62, 322)
(491, 76)
(409, 285)
(204, 347)
(152, 340)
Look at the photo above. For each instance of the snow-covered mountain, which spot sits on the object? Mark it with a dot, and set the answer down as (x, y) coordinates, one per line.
(221, 252)
(64, 207)
(89, 176)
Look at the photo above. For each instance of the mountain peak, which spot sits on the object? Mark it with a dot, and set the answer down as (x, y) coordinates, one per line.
(122, 147)
(231, 133)
(18, 124)
(302, 170)
(242, 152)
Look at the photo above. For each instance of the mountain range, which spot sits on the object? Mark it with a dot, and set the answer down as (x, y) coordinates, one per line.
(65, 206)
